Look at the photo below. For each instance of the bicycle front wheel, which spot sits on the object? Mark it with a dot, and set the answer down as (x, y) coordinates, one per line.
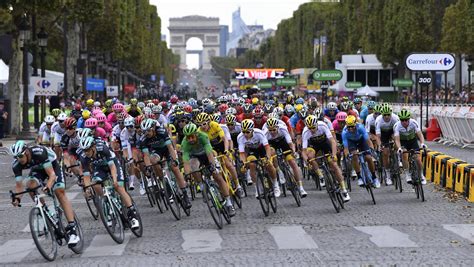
(262, 193)
(292, 186)
(171, 199)
(43, 234)
(211, 201)
(91, 202)
(331, 189)
(111, 220)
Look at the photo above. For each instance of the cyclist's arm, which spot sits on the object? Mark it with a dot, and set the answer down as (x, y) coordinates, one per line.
(51, 176)
(172, 151)
(146, 157)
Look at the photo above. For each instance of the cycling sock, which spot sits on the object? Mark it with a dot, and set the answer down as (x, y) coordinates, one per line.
(359, 176)
(228, 201)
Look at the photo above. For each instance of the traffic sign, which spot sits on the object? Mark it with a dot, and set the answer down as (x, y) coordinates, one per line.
(424, 79)
(402, 83)
(430, 62)
(95, 85)
(286, 82)
(45, 86)
(327, 75)
(112, 91)
(353, 84)
(265, 84)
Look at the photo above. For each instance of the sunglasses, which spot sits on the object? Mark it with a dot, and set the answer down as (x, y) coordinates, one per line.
(181, 121)
(272, 130)
(246, 132)
(130, 127)
(404, 120)
(137, 127)
(71, 128)
(20, 156)
(60, 121)
(203, 124)
(312, 127)
(350, 127)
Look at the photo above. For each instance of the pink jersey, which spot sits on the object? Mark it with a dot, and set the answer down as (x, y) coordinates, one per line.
(108, 129)
(111, 118)
(335, 125)
(100, 133)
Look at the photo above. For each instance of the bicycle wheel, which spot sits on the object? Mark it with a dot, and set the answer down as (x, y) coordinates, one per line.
(270, 194)
(330, 188)
(339, 197)
(170, 195)
(111, 219)
(187, 211)
(262, 193)
(399, 181)
(78, 248)
(139, 231)
(347, 174)
(367, 180)
(43, 234)
(156, 193)
(91, 202)
(233, 192)
(213, 207)
(292, 186)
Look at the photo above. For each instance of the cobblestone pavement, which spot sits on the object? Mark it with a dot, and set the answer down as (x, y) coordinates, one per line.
(400, 230)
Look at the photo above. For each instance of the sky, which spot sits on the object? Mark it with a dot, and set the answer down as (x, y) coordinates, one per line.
(266, 12)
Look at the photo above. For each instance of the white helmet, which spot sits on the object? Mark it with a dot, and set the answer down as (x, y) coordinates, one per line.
(141, 105)
(332, 106)
(96, 104)
(147, 124)
(274, 115)
(84, 133)
(150, 105)
(18, 147)
(206, 101)
(49, 119)
(129, 121)
(317, 112)
(86, 143)
(231, 111)
(157, 109)
(278, 110)
(62, 117)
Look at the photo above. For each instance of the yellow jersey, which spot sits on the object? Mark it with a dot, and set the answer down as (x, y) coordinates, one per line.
(215, 133)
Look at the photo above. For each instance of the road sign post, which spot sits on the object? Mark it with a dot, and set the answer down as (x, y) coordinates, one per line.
(424, 80)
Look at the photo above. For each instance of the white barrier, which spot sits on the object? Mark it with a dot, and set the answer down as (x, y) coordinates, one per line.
(456, 121)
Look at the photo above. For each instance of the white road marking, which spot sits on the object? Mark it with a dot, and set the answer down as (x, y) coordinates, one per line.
(463, 230)
(385, 236)
(201, 240)
(292, 237)
(104, 245)
(15, 250)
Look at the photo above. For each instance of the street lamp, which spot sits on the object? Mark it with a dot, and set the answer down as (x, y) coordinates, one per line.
(43, 42)
(24, 36)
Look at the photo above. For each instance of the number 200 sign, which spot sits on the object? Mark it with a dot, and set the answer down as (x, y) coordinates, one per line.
(424, 79)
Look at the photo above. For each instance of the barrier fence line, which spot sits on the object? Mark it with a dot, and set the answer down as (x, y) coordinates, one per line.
(455, 121)
(450, 173)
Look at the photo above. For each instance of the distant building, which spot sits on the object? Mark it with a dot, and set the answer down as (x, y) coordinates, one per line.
(163, 37)
(224, 38)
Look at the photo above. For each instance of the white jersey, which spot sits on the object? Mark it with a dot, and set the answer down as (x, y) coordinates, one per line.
(280, 124)
(116, 132)
(406, 134)
(383, 126)
(328, 123)
(370, 122)
(57, 132)
(282, 132)
(226, 131)
(44, 133)
(162, 120)
(321, 134)
(258, 139)
(237, 128)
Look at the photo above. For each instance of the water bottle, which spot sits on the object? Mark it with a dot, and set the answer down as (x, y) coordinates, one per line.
(51, 212)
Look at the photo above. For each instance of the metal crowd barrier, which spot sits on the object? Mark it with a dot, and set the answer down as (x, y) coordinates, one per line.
(456, 121)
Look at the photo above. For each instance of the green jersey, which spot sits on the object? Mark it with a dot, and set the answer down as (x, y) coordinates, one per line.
(201, 147)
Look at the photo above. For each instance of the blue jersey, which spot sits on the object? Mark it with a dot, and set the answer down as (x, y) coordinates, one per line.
(359, 135)
(80, 122)
(364, 113)
(333, 117)
(294, 120)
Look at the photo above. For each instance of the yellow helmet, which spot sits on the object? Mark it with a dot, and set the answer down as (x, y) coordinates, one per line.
(86, 114)
(202, 117)
(90, 102)
(351, 120)
(172, 128)
(298, 107)
(247, 125)
(254, 101)
(311, 121)
(272, 123)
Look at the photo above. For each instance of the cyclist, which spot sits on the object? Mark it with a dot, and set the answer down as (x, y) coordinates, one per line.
(361, 110)
(317, 137)
(45, 170)
(354, 136)
(99, 163)
(156, 145)
(220, 144)
(197, 146)
(370, 124)
(44, 133)
(406, 133)
(69, 143)
(384, 131)
(107, 107)
(279, 138)
(128, 143)
(86, 114)
(57, 131)
(367, 110)
(331, 111)
(133, 110)
(254, 145)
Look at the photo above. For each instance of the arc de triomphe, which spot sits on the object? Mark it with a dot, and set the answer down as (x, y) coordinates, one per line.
(206, 29)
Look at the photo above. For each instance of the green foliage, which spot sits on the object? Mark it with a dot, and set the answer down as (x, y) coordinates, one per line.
(458, 28)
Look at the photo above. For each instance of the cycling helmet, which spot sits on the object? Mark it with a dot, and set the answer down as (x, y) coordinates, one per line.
(195, 112)
(351, 104)
(216, 117)
(257, 112)
(289, 109)
(247, 108)
(139, 119)
(85, 132)
(272, 123)
(129, 121)
(313, 102)
(289, 99)
(404, 114)
(118, 107)
(386, 110)
(311, 121)
(155, 101)
(56, 112)
(188, 108)
(255, 101)
(70, 122)
(141, 105)
(341, 116)
(77, 107)
(377, 109)
(133, 101)
(89, 102)
(108, 103)
(62, 117)
(298, 107)
(303, 113)
(174, 99)
(230, 119)
(247, 125)
(147, 111)
(147, 124)
(190, 129)
(18, 148)
(202, 117)
(357, 100)
(268, 108)
(345, 105)
(345, 99)
(299, 101)
(318, 113)
(86, 143)
(91, 123)
(86, 114)
(278, 110)
(274, 115)
(97, 104)
(49, 119)
(371, 104)
(206, 101)
(157, 109)
(121, 116)
(351, 121)
(231, 111)
(332, 106)
(150, 105)
(223, 107)
(101, 117)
